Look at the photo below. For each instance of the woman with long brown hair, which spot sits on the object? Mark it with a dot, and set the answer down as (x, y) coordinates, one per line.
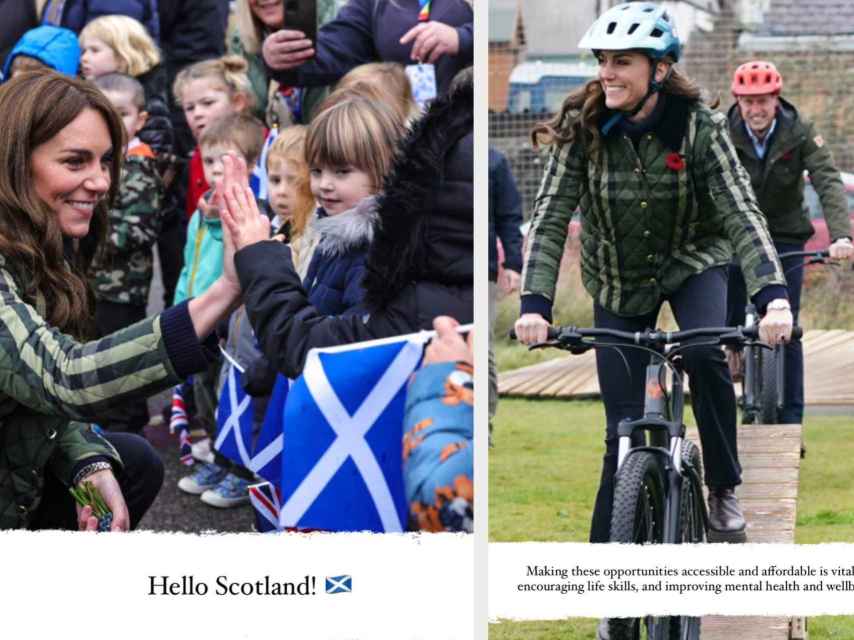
(663, 203)
(61, 151)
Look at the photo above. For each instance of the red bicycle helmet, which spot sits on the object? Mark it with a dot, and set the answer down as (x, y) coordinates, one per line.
(756, 78)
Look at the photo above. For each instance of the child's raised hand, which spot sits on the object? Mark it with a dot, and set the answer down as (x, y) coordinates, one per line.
(240, 215)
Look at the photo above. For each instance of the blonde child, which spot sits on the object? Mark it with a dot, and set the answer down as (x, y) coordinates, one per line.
(120, 44)
(242, 135)
(390, 80)
(207, 91)
(349, 149)
(290, 197)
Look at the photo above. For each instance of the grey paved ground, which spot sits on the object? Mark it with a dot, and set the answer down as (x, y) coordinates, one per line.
(174, 510)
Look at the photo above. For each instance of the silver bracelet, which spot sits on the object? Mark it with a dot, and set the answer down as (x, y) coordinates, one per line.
(89, 469)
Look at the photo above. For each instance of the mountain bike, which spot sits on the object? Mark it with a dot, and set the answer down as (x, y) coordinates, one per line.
(658, 495)
(763, 384)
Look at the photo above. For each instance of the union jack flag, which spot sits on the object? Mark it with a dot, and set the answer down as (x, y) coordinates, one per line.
(266, 500)
(178, 422)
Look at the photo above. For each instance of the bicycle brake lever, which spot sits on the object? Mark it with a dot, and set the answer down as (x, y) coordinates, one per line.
(543, 345)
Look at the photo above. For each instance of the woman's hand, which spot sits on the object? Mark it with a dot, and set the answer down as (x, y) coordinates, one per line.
(244, 223)
(776, 326)
(532, 328)
(842, 249)
(509, 281)
(107, 485)
(431, 41)
(286, 49)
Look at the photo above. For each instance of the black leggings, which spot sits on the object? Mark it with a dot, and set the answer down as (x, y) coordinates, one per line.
(140, 481)
(699, 302)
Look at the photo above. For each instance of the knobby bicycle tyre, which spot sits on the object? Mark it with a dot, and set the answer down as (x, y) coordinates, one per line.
(692, 528)
(768, 392)
(638, 517)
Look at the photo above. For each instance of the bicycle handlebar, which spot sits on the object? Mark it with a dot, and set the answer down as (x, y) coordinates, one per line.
(569, 337)
(805, 254)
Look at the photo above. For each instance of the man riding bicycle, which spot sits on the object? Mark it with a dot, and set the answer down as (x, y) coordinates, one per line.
(776, 145)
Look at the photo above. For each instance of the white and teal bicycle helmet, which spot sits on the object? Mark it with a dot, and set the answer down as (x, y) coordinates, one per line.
(639, 26)
(644, 27)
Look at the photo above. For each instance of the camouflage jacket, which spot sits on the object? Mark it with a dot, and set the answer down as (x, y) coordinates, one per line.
(651, 216)
(123, 269)
(48, 382)
(778, 179)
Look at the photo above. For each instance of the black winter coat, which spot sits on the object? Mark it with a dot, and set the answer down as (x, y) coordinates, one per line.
(419, 265)
(157, 132)
(18, 17)
(505, 215)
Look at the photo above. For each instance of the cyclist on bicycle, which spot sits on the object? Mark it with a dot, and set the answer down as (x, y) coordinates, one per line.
(663, 201)
(775, 145)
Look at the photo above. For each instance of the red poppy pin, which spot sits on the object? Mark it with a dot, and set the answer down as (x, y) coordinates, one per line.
(787, 156)
(675, 162)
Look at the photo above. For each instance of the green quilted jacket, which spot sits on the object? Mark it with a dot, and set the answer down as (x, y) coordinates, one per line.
(651, 217)
(778, 180)
(50, 385)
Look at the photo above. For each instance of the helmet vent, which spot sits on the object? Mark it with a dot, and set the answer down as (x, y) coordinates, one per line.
(611, 27)
(633, 28)
(656, 33)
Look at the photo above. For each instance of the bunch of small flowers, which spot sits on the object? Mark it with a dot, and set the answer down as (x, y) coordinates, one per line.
(87, 495)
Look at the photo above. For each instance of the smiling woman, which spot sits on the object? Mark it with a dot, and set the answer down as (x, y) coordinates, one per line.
(60, 149)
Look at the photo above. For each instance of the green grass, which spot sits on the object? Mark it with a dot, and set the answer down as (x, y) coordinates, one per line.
(544, 472)
(820, 628)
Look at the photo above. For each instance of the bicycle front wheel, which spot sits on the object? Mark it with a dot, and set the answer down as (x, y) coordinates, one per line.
(638, 517)
(638, 514)
(769, 390)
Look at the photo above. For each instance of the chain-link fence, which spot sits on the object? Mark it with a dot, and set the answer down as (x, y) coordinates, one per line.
(534, 63)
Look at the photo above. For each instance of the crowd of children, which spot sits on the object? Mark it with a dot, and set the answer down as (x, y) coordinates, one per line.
(318, 183)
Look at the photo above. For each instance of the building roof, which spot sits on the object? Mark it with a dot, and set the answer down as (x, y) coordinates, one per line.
(808, 17)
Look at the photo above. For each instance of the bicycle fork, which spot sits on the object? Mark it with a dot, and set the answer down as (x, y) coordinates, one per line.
(666, 434)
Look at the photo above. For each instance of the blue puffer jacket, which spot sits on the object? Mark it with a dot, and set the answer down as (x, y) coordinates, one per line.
(76, 14)
(54, 46)
(334, 277)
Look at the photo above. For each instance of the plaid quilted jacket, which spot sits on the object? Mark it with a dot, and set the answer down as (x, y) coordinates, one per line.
(651, 217)
(48, 382)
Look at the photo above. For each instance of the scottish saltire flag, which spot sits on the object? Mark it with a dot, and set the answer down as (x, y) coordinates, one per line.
(258, 178)
(343, 427)
(267, 455)
(234, 419)
(178, 422)
(266, 501)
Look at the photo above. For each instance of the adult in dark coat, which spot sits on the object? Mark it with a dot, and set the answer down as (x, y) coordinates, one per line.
(419, 265)
(371, 31)
(19, 16)
(190, 31)
(76, 14)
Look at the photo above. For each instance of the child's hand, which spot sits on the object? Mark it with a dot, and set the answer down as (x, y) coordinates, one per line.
(448, 345)
(240, 216)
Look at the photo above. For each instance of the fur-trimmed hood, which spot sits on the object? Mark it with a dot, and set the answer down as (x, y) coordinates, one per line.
(347, 231)
(425, 227)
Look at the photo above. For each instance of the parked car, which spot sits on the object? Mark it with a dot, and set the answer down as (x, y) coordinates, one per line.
(541, 87)
(821, 238)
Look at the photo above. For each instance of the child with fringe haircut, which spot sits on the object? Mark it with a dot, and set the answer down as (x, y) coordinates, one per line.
(349, 149)
(120, 44)
(241, 135)
(122, 270)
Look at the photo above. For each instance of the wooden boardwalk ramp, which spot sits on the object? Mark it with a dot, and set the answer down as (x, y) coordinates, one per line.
(828, 362)
(770, 456)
